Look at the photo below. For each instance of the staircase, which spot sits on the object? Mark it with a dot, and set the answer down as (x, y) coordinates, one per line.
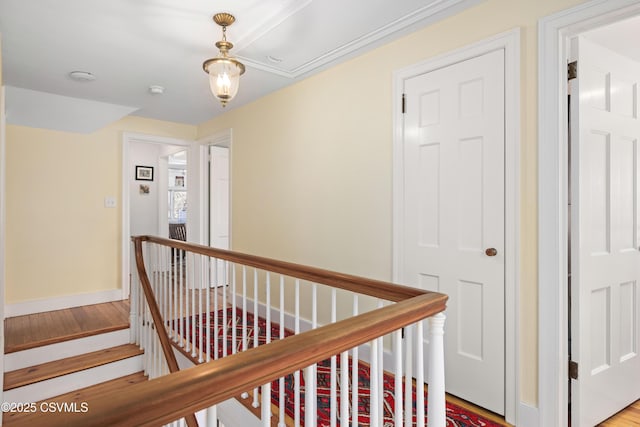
(62, 357)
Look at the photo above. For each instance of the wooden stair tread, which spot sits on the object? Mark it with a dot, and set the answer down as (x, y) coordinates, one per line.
(56, 368)
(54, 340)
(86, 394)
(34, 330)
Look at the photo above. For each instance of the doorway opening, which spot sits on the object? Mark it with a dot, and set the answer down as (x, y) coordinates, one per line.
(555, 33)
(144, 201)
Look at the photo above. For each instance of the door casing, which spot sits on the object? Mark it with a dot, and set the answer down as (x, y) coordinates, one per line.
(554, 33)
(510, 42)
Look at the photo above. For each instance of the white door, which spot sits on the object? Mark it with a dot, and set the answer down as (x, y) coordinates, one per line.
(605, 260)
(453, 237)
(219, 197)
(219, 210)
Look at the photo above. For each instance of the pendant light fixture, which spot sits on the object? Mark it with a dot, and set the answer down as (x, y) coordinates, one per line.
(224, 71)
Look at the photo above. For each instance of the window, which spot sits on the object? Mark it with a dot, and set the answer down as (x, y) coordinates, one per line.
(177, 201)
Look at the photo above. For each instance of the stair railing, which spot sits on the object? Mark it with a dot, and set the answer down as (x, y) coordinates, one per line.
(195, 286)
(320, 331)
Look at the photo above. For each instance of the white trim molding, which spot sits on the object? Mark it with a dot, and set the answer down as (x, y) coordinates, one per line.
(554, 32)
(510, 42)
(60, 303)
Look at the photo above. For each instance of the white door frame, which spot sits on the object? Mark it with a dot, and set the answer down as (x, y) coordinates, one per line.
(127, 139)
(221, 139)
(554, 32)
(510, 42)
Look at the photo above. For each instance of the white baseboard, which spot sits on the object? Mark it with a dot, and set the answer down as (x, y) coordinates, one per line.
(59, 303)
(528, 416)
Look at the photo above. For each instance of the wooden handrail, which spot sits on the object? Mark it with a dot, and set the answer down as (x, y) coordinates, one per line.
(165, 342)
(173, 396)
(375, 288)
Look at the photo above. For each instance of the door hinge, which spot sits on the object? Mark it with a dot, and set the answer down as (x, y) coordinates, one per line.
(403, 104)
(573, 370)
(572, 70)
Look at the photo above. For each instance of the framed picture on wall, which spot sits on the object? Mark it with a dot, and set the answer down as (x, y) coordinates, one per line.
(144, 173)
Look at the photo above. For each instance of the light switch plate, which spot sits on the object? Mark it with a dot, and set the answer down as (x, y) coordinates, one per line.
(110, 202)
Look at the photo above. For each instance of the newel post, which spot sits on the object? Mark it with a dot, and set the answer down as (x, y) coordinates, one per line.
(437, 407)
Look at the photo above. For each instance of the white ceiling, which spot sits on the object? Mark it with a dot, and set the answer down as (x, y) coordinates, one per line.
(130, 45)
(621, 37)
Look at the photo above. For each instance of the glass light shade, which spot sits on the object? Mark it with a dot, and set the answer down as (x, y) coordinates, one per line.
(224, 77)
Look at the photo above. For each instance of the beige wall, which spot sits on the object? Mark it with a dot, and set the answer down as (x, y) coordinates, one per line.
(312, 164)
(61, 240)
(311, 172)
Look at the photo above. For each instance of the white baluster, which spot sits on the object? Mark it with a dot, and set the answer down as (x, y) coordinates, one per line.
(245, 344)
(170, 302)
(344, 388)
(207, 285)
(234, 311)
(201, 314)
(297, 307)
(397, 346)
(437, 403)
(154, 288)
(354, 374)
(419, 375)
(333, 397)
(169, 277)
(181, 292)
(310, 372)
(244, 309)
(296, 399)
(310, 409)
(268, 304)
(212, 415)
(374, 409)
(255, 402)
(281, 402)
(224, 310)
(296, 375)
(216, 317)
(161, 295)
(266, 405)
(408, 375)
(380, 373)
(187, 305)
(194, 326)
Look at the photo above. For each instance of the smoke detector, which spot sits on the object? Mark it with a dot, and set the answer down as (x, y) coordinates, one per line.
(156, 90)
(82, 76)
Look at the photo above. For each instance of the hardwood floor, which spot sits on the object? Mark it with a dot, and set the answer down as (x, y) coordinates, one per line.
(628, 417)
(34, 330)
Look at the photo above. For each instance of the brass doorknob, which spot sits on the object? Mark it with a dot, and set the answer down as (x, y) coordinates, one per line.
(491, 252)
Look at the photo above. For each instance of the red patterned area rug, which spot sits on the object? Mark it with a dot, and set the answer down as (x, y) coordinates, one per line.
(456, 416)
